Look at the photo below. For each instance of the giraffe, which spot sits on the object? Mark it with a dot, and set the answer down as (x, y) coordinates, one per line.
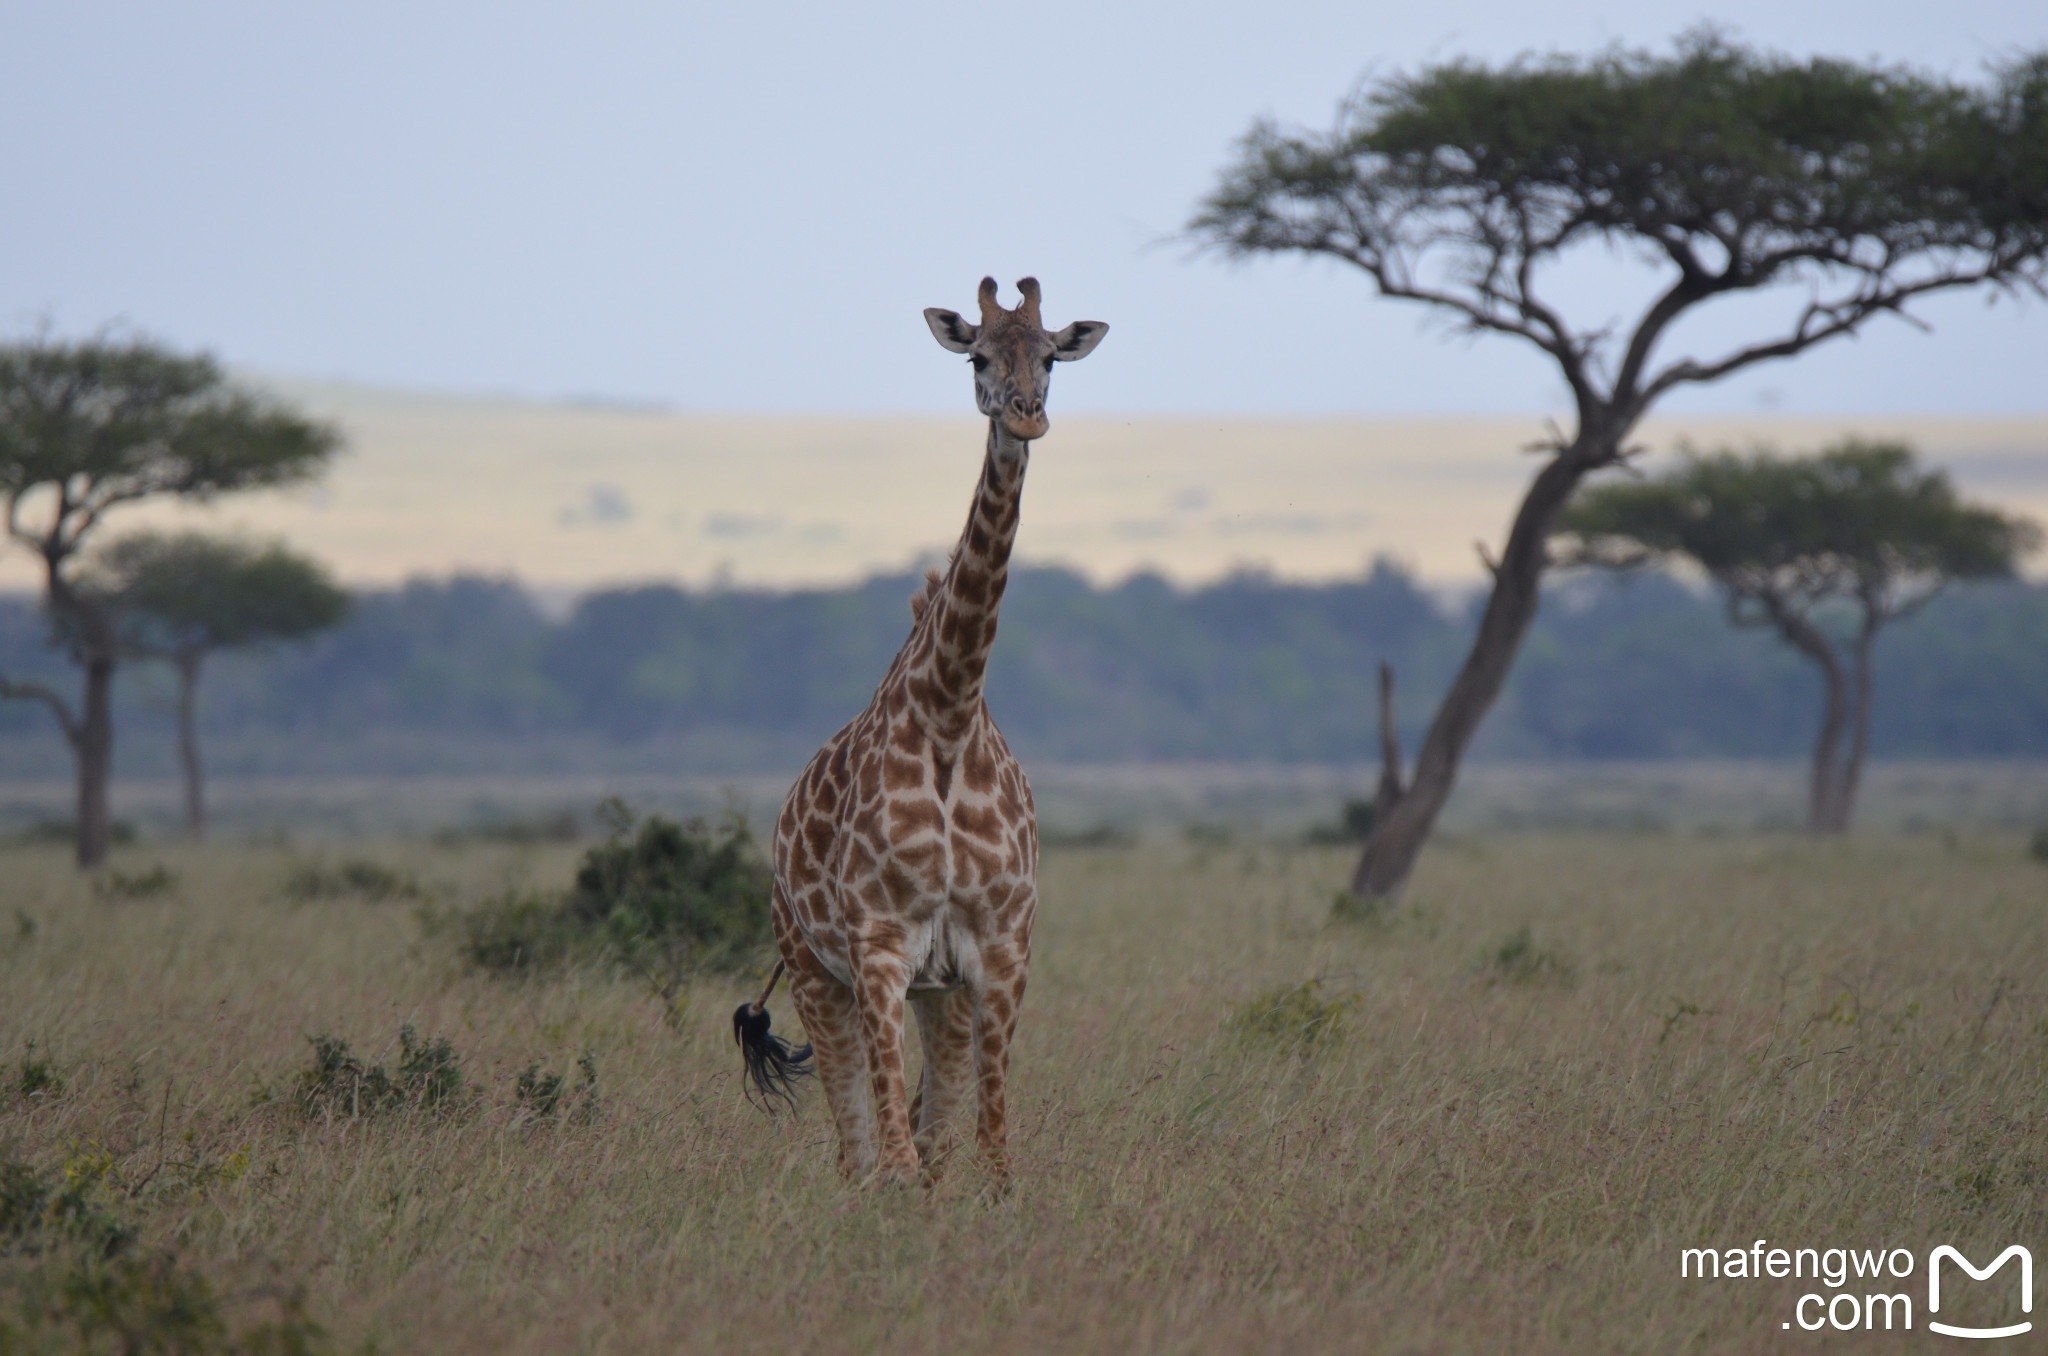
(906, 856)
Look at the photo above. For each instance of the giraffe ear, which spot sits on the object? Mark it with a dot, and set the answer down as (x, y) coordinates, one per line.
(949, 329)
(1077, 340)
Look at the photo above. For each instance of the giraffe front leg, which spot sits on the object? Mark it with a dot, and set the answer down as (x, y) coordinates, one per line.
(883, 978)
(997, 1000)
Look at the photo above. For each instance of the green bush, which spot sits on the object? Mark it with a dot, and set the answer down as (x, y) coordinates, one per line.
(1294, 1015)
(36, 1077)
(352, 877)
(340, 1085)
(1518, 960)
(72, 1279)
(544, 1092)
(159, 879)
(661, 898)
(561, 826)
(1354, 824)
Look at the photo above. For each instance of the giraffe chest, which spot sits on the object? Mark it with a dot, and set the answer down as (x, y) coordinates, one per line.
(909, 849)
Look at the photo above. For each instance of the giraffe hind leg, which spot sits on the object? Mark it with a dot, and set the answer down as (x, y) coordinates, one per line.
(832, 1022)
(945, 1022)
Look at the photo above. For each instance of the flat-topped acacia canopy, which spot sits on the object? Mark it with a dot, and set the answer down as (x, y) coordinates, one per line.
(1731, 171)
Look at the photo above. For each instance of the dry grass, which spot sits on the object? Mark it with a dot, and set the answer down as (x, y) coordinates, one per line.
(1565, 1058)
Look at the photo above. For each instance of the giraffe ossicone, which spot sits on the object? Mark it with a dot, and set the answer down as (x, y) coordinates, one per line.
(906, 856)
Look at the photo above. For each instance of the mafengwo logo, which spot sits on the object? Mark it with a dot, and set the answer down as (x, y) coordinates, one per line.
(1865, 1306)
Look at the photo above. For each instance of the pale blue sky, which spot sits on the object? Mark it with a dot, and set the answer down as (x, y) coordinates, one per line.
(744, 207)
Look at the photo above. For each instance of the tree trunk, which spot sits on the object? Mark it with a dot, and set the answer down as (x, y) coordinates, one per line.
(188, 745)
(1397, 837)
(1824, 791)
(1390, 747)
(95, 749)
(1863, 691)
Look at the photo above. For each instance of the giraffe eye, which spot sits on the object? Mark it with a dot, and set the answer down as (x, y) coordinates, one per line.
(1048, 362)
(980, 363)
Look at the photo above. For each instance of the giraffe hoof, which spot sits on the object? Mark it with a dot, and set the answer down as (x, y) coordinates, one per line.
(895, 1176)
(998, 1186)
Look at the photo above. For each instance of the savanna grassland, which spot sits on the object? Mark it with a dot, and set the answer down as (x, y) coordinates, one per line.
(1487, 1121)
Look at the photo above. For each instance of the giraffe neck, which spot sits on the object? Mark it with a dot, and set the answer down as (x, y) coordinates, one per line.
(959, 626)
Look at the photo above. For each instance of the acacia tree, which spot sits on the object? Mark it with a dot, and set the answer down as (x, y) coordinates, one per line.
(1858, 531)
(87, 427)
(1850, 190)
(180, 598)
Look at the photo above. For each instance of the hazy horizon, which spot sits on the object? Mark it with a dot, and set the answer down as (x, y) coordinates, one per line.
(568, 498)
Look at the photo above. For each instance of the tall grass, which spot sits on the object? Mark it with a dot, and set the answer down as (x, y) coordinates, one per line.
(1559, 1061)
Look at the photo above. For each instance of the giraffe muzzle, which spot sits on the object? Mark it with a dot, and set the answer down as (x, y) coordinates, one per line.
(1025, 419)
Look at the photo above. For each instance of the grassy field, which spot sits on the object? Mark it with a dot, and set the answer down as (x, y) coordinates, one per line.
(1490, 1121)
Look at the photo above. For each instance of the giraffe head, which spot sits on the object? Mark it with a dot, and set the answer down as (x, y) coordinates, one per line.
(1013, 354)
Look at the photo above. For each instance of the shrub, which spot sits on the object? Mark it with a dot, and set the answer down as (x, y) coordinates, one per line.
(356, 877)
(36, 1077)
(83, 1286)
(544, 1093)
(1518, 960)
(57, 832)
(664, 899)
(1354, 824)
(1103, 835)
(159, 879)
(1294, 1015)
(2038, 848)
(520, 932)
(339, 1084)
(562, 826)
(37, 1214)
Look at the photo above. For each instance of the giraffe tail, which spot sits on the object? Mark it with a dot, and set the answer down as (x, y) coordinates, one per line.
(773, 1064)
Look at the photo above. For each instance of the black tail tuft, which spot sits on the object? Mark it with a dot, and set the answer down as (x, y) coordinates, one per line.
(772, 1066)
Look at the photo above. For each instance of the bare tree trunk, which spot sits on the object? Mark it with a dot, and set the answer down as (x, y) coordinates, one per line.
(1864, 691)
(1824, 791)
(1390, 747)
(95, 750)
(1397, 836)
(188, 745)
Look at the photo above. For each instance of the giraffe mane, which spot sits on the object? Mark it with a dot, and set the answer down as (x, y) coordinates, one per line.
(934, 579)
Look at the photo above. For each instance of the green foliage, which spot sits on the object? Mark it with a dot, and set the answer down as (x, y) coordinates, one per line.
(36, 1077)
(38, 1214)
(664, 899)
(695, 893)
(352, 877)
(158, 880)
(1518, 960)
(1295, 1016)
(189, 594)
(1354, 823)
(341, 1086)
(1859, 519)
(518, 932)
(1734, 169)
(52, 832)
(561, 826)
(119, 420)
(544, 1093)
(1103, 835)
(73, 1280)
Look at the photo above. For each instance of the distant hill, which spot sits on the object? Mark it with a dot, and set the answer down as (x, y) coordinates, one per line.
(472, 675)
(575, 497)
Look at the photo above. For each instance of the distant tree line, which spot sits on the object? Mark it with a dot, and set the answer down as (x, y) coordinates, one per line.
(470, 672)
